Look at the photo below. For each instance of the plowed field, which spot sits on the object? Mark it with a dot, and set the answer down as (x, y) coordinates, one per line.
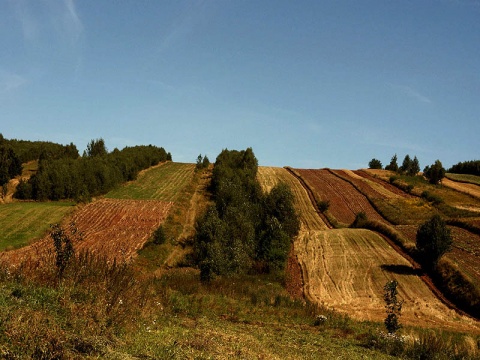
(346, 269)
(345, 200)
(270, 176)
(112, 228)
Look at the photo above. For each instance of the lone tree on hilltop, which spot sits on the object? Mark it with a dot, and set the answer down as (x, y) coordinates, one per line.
(375, 164)
(433, 241)
(434, 173)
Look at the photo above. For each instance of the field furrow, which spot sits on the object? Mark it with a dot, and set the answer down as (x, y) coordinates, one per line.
(346, 269)
(112, 228)
(345, 200)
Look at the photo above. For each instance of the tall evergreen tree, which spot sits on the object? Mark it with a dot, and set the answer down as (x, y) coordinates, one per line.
(393, 166)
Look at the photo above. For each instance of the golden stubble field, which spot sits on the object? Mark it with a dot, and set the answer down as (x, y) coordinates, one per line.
(346, 269)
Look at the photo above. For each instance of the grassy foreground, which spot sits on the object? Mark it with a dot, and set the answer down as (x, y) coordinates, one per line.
(96, 310)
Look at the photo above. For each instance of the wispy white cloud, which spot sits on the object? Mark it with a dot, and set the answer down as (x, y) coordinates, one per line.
(37, 18)
(27, 21)
(10, 81)
(182, 25)
(412, 93)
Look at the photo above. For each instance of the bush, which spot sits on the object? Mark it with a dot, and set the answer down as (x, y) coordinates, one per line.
(159, 236)
(375, 164)
(323, 205)
(436, 200)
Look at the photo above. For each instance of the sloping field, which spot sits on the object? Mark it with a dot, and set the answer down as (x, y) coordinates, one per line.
(22, 222)
(346, 269)
(470, 189)
(395, 205)
(465, 178)
(465, 250)
(270, 176)
(112, 228)
(381, 186)
(345, 201)
(162, 182)
(115, 227)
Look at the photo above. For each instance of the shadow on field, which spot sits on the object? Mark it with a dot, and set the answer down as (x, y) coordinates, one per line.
(401, 269)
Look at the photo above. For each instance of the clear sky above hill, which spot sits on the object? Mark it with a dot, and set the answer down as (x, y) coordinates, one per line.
(304, 83)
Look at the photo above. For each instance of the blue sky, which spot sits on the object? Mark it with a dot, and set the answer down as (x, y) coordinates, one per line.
(308, 84)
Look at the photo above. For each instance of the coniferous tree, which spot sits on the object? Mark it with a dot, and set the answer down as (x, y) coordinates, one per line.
(393, 166)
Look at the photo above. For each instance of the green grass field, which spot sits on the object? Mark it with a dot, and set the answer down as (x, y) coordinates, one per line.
(22, 222)
(471, 179)
(165, 182)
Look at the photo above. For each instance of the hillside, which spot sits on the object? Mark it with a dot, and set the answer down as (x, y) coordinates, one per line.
(341, 272)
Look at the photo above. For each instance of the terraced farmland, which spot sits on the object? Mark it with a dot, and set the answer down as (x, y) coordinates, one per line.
(310, 220)
(345, 201)
(120, 224)
(346, 269)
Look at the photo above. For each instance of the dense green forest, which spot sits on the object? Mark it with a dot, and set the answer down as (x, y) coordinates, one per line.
(466, 167)
(245, 229)
(63, 174)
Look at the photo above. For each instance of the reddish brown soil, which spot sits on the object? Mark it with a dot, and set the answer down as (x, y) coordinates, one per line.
(345, 200)
(386, 185)
(112, 228)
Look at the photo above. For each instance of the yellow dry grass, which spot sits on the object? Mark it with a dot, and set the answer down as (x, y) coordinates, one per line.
(346, 269)
(470, 189)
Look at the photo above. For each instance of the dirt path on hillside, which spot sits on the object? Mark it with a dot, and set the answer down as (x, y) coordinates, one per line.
(198, 204)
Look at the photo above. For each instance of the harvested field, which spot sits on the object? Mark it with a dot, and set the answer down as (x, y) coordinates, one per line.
(310, 219)
(346, 269)
(163, 182)
(382, 186)
(465, 250)
(345, 200)
(112, 228)
(470, 189)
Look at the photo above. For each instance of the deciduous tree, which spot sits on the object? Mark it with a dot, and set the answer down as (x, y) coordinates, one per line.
(433, 241)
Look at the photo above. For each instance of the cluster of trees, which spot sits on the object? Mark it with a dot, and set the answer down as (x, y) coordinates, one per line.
(27, 150)
(10, 164)
(202, 162)
(466, 167)
(244, 229)
(410, 167)
(93, 174)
